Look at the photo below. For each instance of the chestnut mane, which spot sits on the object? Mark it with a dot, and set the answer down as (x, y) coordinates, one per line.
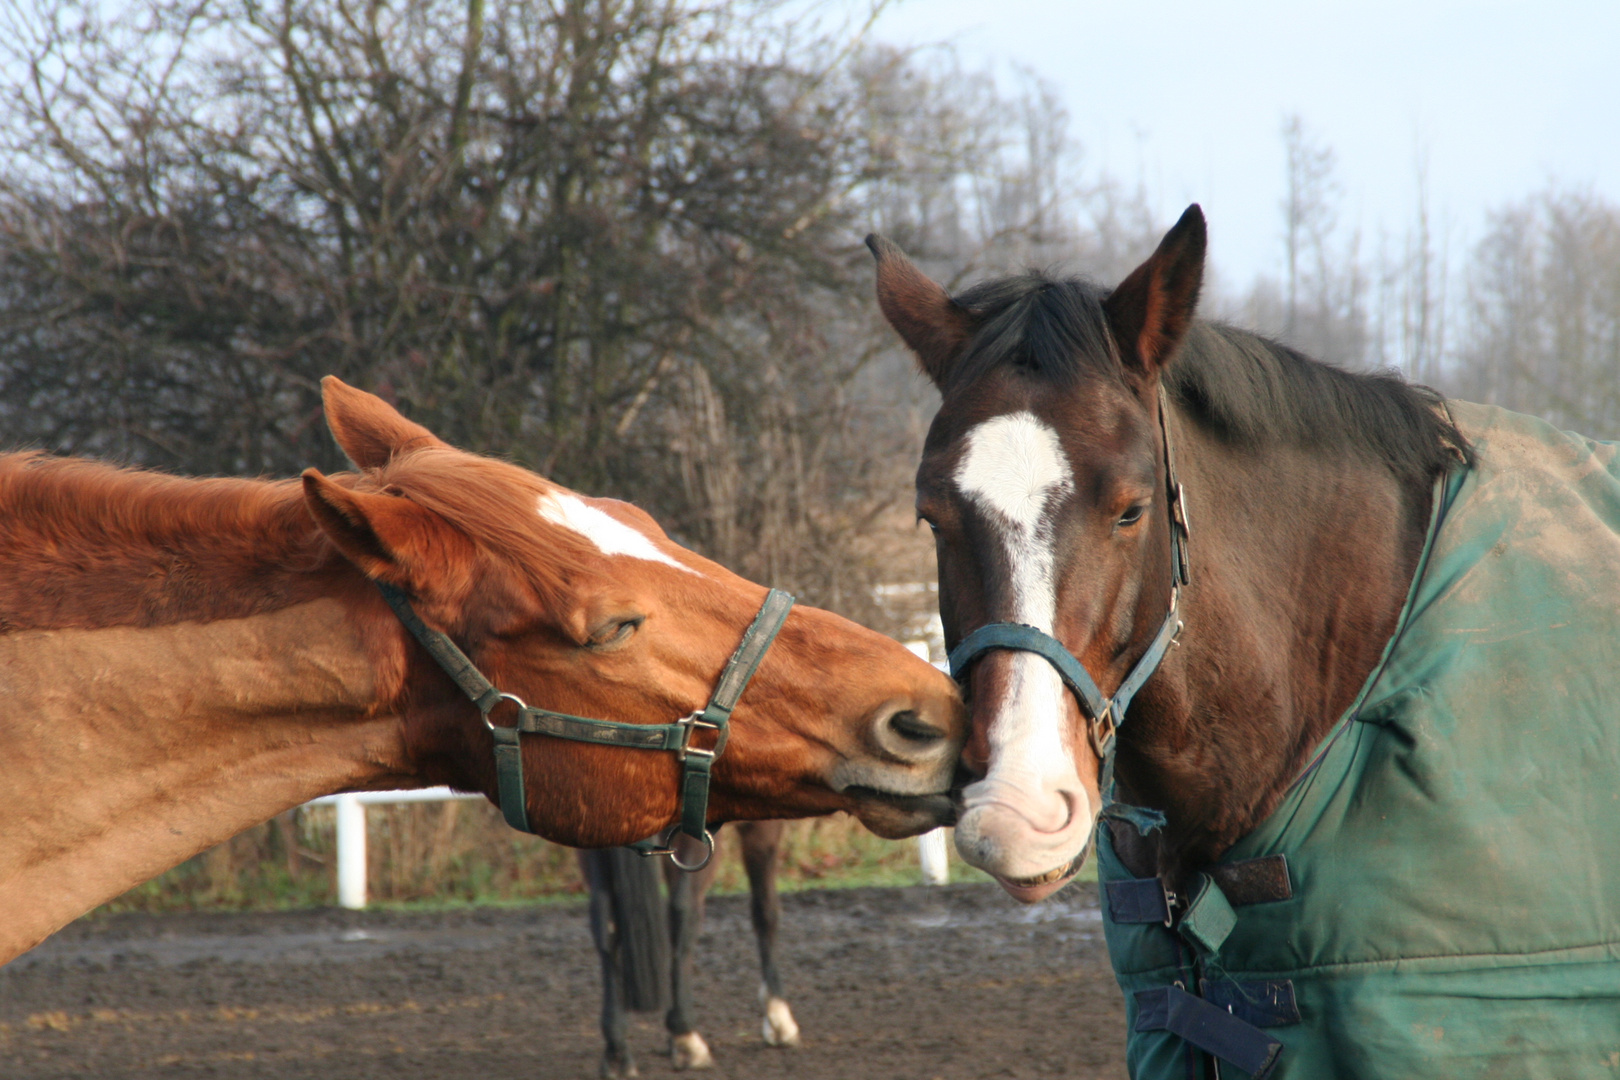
(94, 545)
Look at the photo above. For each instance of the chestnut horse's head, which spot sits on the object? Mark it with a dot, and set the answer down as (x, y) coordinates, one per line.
(584, 606)
(1043, 479)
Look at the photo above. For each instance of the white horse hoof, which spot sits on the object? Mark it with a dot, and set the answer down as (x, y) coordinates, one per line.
(780, 1028)
(615, 1069)
(689, 1051)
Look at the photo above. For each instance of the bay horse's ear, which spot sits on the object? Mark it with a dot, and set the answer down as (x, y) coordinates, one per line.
(920, 310)
(391, 538)
(369, 430)
(1152, 308)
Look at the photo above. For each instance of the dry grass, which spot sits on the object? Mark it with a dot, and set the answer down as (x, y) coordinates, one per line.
(462, 852)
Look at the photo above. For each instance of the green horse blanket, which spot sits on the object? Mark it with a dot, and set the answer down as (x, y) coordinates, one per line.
(1447, 898)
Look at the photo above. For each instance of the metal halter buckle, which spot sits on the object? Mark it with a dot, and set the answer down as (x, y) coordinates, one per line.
(1101, 732)
(689, 725)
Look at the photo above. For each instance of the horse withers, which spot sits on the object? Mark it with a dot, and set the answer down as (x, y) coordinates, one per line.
(181, 659)
(1332, 659)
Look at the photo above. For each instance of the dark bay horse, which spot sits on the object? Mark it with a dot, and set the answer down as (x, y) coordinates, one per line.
(181, 659)
(1044, 482)
(646, 942)
(1332, 659)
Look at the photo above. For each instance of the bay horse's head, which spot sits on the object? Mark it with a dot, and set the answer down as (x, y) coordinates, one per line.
(584, 606)
(1043, 479)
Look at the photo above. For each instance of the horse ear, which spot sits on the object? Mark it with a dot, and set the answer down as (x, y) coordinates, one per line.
(391, 538)
(368, 429)
(1152, 308)
(920, 310)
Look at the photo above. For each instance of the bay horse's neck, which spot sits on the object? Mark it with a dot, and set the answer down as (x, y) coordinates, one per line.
(180, 674)
(1301, 559)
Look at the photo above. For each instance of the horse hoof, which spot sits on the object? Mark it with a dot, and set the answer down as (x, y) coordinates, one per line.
(780, 1027)
(689, 1051)
(617, 1068)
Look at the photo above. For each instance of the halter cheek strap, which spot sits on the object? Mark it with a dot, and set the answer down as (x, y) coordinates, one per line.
(697, 762)
(1103, 714)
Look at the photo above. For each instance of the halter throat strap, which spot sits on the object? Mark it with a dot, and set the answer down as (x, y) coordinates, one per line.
(679, 737)
(1103, 714)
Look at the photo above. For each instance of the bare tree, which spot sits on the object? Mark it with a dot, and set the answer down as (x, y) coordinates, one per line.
(1320, 304)
(1412, 325)
(1543, 329)
(617, 240)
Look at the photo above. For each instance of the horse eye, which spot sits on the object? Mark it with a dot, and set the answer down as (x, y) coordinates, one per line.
(1133, 515)
(616, 632)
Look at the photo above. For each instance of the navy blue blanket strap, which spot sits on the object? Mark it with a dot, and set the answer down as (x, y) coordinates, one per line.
(1209, 1027)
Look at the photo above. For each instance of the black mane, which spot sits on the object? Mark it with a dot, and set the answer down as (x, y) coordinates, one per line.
(1247, 389)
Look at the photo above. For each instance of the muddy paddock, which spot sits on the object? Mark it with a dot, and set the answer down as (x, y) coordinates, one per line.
(953, 983)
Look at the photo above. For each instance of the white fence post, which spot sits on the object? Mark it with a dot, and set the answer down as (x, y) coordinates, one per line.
(351, 831)
(936, 860)
(351, 851)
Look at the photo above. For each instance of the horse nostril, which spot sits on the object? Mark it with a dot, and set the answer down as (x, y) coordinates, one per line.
(914, 729)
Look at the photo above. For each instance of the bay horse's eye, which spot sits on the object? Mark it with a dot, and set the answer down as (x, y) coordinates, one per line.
(1133, 515)
(615, 631)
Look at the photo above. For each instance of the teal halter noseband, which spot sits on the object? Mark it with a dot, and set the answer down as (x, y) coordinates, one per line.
(1103, 714)
(696, 762)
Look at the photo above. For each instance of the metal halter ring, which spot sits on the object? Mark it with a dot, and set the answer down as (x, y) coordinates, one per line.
(668, 848)
(514, 699)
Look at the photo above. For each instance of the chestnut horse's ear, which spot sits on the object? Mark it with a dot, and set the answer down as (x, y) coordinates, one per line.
(391, 538)
(1152, 308)
(369, 430)
(920, 310)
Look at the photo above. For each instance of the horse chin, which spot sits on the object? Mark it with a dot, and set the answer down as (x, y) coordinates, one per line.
(1033, 890)
(895, 817)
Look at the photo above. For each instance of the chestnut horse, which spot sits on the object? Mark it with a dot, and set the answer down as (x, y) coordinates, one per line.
(181, 659)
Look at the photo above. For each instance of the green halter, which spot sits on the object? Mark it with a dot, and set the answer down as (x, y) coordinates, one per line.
(697, 762)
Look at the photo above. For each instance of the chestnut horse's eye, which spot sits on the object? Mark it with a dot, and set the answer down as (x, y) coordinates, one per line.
(1133, 515)
(615, 632)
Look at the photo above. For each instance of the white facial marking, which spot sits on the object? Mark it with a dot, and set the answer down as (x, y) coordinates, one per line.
(1015, 472)
(1012, 469)
(610, 535)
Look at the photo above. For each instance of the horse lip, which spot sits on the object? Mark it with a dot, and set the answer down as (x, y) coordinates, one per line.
(1067, 870)
(1045, 884)
(940, 805)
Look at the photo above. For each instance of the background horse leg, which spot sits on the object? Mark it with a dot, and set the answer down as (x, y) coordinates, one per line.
(687, 1050)
(616, 1059)
(761, 841)
(628, 927)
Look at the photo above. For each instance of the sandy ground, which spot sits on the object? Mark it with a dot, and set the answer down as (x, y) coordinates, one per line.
(950, 983)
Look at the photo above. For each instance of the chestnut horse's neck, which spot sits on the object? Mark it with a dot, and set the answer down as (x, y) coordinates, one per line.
(1302, 558)
(180, 657)
(96, 546)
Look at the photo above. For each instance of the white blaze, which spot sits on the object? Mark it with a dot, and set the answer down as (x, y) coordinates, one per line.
(610, 535)
(1014, 470)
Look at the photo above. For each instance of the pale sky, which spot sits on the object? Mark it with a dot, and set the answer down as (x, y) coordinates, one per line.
(1189, 98)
